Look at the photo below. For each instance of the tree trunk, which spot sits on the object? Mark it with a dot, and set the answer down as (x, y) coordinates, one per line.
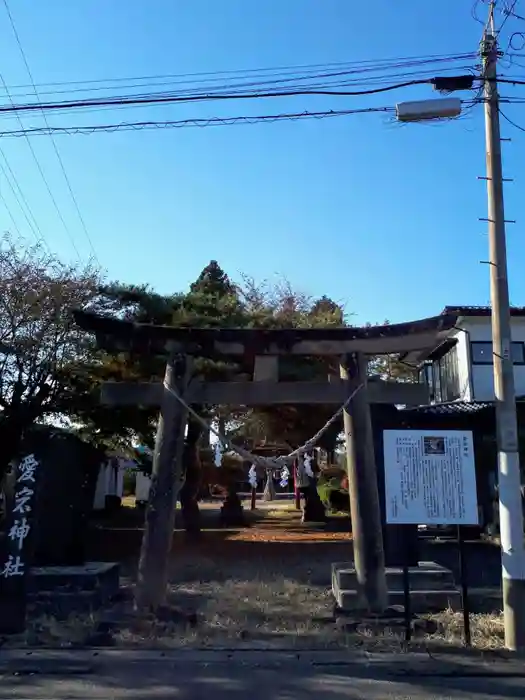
(165, 484)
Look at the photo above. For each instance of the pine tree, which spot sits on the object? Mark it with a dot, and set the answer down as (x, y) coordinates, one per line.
(213, 301)
(213, 281)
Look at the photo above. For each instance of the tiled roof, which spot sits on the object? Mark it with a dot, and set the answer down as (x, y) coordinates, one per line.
(451, 408)
(479, 310)
(456, 407)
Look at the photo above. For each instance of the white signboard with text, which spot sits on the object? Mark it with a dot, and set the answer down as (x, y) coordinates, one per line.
(430, 477)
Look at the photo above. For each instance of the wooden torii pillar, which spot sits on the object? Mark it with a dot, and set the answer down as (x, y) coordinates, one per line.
(365, 509)
(166, 482)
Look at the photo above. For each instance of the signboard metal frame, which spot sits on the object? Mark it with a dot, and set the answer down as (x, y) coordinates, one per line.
(430, 479)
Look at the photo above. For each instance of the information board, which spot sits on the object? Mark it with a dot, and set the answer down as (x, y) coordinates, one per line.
(430, 477)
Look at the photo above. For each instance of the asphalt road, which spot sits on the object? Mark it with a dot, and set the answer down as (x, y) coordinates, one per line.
(235, 679)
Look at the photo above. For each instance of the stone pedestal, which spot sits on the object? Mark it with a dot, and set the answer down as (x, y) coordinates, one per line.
(432, 588)
(61, 590)
(232, 512)
(314, 510)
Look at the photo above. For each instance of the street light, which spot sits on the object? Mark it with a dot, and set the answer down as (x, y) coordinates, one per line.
(428, 109)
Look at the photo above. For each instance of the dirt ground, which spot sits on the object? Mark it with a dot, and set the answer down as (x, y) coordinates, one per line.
(263, 586)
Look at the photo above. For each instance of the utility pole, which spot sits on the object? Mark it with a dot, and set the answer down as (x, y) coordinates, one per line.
(509, 477)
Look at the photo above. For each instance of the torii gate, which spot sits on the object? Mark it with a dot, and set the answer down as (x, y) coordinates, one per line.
(265, 347)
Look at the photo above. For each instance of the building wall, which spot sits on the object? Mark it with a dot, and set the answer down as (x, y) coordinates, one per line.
(142, 487)
(110, 481)
(463, 356)
(479, 329)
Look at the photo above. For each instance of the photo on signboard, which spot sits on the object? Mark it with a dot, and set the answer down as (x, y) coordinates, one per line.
(433, 445)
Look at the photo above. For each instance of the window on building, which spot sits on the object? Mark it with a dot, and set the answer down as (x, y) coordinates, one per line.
(448, 366)
(436, 381)
(481, 353)
(426, 377)
(445, 377)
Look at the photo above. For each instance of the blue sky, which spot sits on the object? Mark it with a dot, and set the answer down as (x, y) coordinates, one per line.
(381, 217)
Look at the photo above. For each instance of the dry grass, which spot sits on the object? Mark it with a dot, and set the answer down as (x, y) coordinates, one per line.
(486, 630)
(263, 587)
(247, 613)
(245, 605)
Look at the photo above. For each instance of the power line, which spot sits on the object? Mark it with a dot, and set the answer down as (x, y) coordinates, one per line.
(356, 66)
(162, 98)
(197, 122)
(508, 13)
(19, 197)
(298, 80)
(44, 179)
(42, 174)
(55, 148)
(510, 81)
(509, 120)
(474, 12)
(341, 83)
(10, 213)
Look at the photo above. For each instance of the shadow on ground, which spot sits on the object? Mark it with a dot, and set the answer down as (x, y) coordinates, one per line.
(260, 680)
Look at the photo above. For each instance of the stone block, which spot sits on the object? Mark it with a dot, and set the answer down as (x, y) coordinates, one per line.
(432, 588)
(427, 575)
(62, 590)
(100, 576)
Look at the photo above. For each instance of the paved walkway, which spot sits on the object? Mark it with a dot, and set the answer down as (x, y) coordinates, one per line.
(257, 675)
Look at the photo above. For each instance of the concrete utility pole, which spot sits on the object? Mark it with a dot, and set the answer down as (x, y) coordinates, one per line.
(367, 534)
(510, 506)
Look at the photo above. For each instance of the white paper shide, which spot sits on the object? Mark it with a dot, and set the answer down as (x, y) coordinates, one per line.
(430, 477)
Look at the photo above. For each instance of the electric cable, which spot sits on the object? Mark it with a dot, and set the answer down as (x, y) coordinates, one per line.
(508, 13)
(509, 81)
(41, 171)
(201, 86)
(474, 12)
(163, 99)
(19, 198)
(340, 83)
(202, 122)
(55, 148)
(510, 121)
(10, 214)
(353, 66)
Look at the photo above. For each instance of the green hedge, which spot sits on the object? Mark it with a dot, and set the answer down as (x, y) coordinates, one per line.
(327, 484)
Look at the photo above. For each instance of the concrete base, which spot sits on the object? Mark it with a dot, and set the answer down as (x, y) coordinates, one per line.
(432, 587)
(514, 613)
